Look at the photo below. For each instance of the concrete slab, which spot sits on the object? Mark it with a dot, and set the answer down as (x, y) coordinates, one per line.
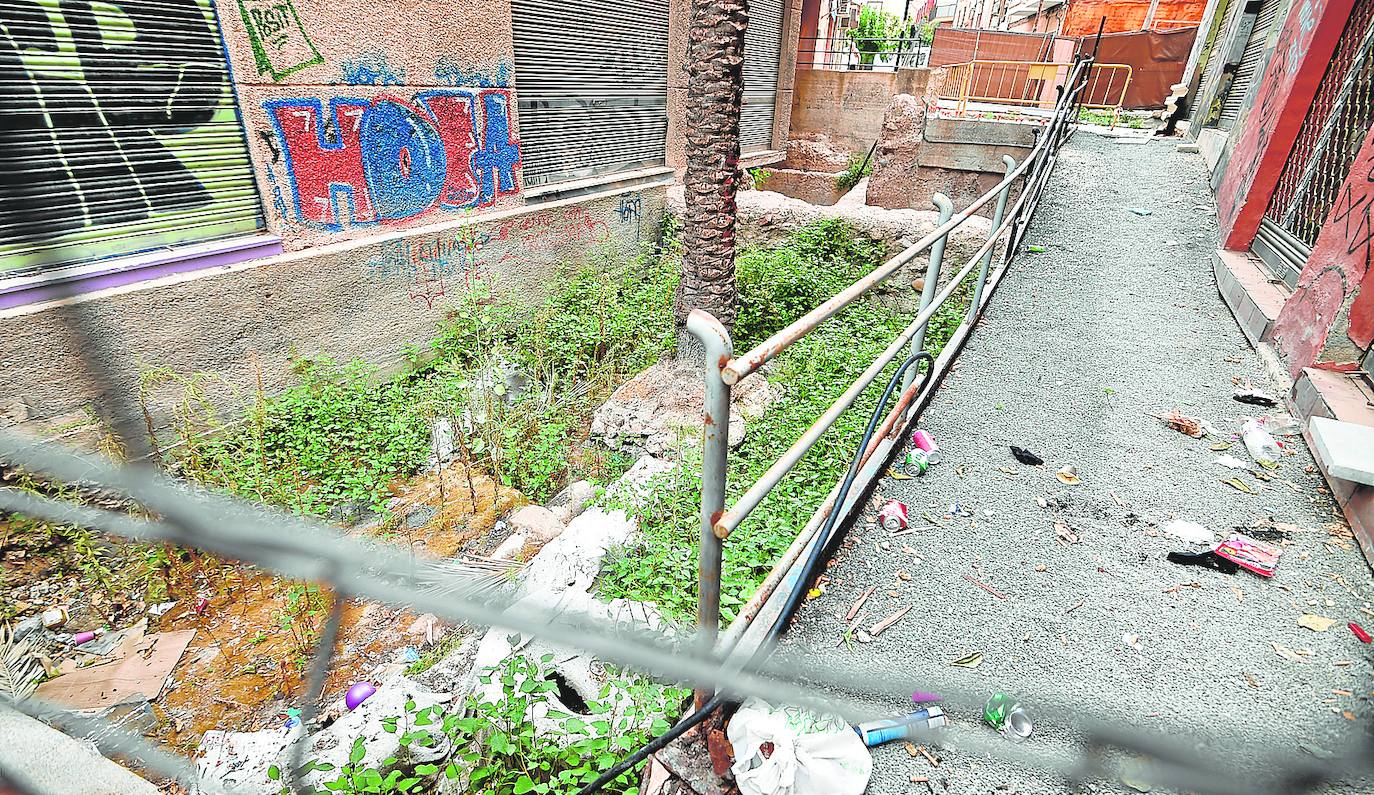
(1347, 449)
(54, 764)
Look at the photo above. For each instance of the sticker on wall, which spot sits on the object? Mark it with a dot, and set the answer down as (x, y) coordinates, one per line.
(280, 45)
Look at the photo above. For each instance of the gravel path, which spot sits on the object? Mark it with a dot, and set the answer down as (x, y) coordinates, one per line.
(1118, 320)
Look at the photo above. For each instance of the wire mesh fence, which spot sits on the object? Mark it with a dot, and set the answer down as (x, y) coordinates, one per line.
(174, 512)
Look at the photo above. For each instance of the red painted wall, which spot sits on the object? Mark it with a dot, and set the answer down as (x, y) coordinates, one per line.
(1126, 16)
(1334, 299)
(1266, 133)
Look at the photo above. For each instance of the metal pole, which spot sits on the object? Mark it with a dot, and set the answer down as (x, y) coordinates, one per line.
(937, 253)
(996, 223)
(715, 447)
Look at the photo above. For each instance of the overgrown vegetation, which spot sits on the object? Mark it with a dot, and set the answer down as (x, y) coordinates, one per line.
(859, 167)
(1104, 118)
(498, 747)
(876, 32)
(776, 286)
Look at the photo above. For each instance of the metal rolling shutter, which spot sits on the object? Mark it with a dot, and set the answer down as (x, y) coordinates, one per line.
(1212, 69)
(762, 51)
(592, 80)
(118, 132)
(1251, 60)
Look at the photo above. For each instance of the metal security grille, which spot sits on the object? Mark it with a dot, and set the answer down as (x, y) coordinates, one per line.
(592, 79)
(1336, 124)
(118, 132)
(1251, 61)
(762, 51)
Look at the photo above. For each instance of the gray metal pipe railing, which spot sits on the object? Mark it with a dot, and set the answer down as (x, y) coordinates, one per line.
(722, 370)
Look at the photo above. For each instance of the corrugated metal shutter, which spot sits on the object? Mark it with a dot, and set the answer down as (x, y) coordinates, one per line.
(592, 78)
(1284, 254)
(1212, 69)
(762, 51)
(1251, 61)
(118, 132)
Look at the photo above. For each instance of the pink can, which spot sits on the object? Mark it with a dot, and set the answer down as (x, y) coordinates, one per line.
(892, 516)
(926, 444)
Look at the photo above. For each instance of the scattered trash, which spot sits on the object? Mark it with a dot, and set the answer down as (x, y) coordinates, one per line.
(83, 637)
(926, 444)
(1315, 622)
(1208, 560)
(160, 609)
(955, 509)
(140, 673)
(858, 603)
(922, 697)
(1063, 534)
(1261, 445)
(916, 463)
(1006, 715)
(1250, 554)
(984, 586)
(913, 724)
(1189, 426)
(1231, 462)
(862, 636)
(895, 475)
(1359, 632)
(893, 515)
(1141, 211)
(293, 718)
(1034, 249)
(880, 627)
(1026, 456)
(1133, 641)
(55, 617)
(1239, 485)
(970, 660)
(200, 605)
(1192, 532)
(410, 654)
(1255, 397)
(1285, 652)
(791, 751)
(357, 693)
(1068, 476)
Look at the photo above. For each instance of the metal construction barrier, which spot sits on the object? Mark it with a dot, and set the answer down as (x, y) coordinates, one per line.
(724, 368)
(170, 511)
(1032, 84)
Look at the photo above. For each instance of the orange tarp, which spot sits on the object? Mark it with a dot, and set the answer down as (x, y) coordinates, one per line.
(1127, 16)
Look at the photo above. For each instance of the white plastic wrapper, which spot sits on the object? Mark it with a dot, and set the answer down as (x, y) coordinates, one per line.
(811, 754)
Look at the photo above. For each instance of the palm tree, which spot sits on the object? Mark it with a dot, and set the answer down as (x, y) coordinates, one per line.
(715, 90)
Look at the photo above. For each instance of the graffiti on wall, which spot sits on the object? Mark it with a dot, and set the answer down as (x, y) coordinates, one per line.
(387, 159)
(280, 45)
(371, 69)
(430, 266)
(78, 151)
(452, 72)
(630, 211)
(1337, 281)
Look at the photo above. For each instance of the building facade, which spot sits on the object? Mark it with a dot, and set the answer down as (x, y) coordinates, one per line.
(230, 184)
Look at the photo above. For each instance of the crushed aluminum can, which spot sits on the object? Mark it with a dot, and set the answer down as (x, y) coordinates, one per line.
(1006, 715)
(877, 732)
(926, 444)
(892, 516)
(916, 463)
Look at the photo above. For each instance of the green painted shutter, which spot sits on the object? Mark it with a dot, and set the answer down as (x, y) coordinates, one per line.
(118, 132)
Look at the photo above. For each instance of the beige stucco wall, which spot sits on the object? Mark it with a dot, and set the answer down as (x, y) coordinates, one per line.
(347, 300)
(849, 105)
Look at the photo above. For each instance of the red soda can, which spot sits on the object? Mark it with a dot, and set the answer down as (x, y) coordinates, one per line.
(926, 444)
(892, 516)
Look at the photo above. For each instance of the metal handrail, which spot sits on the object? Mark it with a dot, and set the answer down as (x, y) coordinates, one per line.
(723, 369)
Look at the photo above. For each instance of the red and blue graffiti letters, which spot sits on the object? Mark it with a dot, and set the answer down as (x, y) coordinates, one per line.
(387, 159)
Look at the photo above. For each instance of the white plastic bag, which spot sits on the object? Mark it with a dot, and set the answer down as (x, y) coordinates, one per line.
(811, 754)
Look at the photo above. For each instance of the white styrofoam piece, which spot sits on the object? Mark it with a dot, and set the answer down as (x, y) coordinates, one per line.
(1345, 448)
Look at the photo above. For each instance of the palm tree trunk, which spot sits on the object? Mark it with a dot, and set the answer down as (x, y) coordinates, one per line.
(715, 90)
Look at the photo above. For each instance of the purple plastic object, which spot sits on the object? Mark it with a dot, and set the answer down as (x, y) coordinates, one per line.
(922, 697)
(83, 637)
(358, 692)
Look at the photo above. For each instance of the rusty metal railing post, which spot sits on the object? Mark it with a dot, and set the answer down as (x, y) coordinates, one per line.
(997, 214)
(715, 447)
(937, 254)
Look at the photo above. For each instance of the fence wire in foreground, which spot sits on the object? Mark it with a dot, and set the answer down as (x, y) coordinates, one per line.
(356, 568)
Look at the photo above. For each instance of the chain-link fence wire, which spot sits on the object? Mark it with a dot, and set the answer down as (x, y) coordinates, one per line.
(289, 546)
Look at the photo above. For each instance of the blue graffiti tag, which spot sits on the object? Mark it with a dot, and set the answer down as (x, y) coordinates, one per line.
(452, 73)
(371, 69)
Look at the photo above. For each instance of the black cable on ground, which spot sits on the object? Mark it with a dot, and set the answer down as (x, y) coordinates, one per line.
(823, 542)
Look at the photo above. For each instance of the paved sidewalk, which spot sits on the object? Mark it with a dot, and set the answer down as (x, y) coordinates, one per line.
(1118, 320)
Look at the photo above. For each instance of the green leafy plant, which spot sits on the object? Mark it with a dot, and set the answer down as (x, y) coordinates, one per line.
(757, 176)
(859, 167)
(876, 32)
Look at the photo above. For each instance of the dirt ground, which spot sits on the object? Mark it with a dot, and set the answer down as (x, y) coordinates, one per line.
(1116, 321)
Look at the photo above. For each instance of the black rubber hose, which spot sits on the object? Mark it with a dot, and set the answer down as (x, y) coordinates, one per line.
(824, 541)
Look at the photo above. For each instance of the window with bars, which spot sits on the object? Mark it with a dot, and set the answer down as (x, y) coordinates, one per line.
(1336, 124)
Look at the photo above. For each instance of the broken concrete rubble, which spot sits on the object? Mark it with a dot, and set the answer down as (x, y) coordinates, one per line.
(537, 523)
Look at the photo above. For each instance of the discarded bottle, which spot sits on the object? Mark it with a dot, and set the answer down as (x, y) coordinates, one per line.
(1261, 444)
(892, 516)
(926, 443)
(877, 732)
(1006, 715)
(916, 463)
